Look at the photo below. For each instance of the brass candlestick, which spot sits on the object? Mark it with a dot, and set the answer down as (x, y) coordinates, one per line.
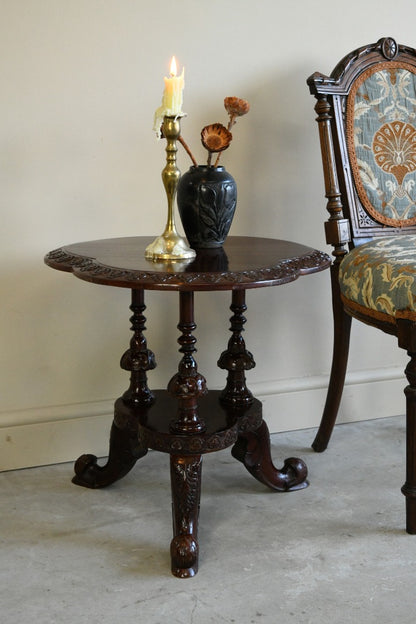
(170, 245)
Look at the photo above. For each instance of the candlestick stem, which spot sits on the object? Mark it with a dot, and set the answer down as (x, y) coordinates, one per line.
(170, 245)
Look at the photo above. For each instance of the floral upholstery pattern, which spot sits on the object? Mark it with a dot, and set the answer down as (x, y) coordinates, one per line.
(381, 134)
(378, 278)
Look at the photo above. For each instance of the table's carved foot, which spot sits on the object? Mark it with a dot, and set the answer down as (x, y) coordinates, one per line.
(124, 452)
(253, 450)
(186, 494)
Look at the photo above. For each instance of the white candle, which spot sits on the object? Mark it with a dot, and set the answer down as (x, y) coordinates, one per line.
(172, 96)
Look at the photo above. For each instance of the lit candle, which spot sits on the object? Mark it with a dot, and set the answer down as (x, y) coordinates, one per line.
(172, 96)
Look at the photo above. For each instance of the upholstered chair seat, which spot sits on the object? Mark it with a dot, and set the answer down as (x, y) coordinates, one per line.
(378, 279)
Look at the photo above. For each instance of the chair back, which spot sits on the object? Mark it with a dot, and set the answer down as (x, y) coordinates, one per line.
(367, 123)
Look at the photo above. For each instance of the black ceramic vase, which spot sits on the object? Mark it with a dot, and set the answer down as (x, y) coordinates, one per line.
(207, 198)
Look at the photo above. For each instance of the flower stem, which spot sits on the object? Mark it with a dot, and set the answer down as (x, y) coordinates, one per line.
(230, 125)
(232, 121)
(187, 150)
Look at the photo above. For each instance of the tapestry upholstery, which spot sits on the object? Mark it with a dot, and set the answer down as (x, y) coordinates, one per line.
(381, 136)
(378, 278)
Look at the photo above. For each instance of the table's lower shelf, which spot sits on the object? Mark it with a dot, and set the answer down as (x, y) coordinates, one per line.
(223, 424)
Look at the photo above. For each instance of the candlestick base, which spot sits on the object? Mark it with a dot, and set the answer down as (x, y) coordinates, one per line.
(169, 246)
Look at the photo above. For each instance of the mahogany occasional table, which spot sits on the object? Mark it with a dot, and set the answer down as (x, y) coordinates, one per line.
(186, 420)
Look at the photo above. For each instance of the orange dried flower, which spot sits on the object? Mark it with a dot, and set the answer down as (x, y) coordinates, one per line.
(236, 107)
(216, 137)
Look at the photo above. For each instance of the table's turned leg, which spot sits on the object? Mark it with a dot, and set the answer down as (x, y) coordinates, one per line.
(236, 359)
(125, 449)
(188, 385)
(253, 446)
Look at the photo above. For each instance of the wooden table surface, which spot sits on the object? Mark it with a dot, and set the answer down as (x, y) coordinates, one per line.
(243, 262)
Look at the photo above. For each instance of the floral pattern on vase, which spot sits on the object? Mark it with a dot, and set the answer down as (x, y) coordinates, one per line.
(207, 199)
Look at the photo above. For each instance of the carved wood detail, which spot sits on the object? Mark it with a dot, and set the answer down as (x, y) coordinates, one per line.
(337, 227)
(236, 359)
(143, 419)
(331, 93)
(186, 494)
(124, 451)
(409, 488)
(154, 431)
(253, 450)
(284, 271)
(188, 385)
(138, 358)
(340, 79)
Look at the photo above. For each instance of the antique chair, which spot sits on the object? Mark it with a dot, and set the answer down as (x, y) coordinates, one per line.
(367, 124)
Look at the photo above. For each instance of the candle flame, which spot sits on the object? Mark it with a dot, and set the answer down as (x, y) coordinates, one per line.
(173, 68)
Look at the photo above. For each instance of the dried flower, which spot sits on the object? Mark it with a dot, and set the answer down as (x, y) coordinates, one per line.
(236, 107)
(216, 137)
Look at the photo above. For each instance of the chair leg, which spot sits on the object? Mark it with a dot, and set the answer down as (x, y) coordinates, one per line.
(342, 331)
(409, 488)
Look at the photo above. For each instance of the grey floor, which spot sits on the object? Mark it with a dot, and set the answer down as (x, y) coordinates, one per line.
(334, 553)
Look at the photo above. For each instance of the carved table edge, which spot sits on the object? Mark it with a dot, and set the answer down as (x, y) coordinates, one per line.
(284, 271)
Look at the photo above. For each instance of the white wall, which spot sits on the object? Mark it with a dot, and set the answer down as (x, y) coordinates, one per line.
(78, 160)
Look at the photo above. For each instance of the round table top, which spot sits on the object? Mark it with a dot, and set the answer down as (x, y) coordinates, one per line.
(243, 262)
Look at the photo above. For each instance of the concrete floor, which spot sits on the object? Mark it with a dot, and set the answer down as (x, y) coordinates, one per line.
(334, 553)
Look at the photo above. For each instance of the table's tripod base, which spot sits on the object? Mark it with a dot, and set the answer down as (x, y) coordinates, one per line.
(253, 450)
(135, 429)
(123, 454)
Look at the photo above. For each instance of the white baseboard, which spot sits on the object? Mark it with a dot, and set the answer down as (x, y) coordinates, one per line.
(57, 440)
(298, 404)
(58, 434)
